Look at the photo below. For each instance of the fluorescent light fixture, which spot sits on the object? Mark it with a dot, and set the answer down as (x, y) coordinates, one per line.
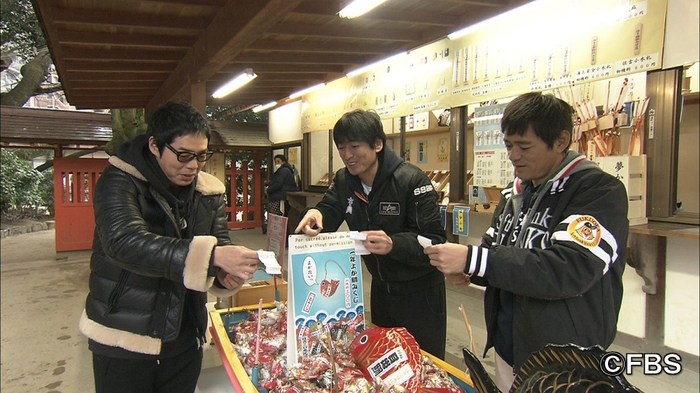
(358, 7)
(260, 108)
(307, 90)
(373, 65)
(240, 80)
(484, 23)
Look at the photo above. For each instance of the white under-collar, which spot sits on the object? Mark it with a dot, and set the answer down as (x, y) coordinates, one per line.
(366, 188)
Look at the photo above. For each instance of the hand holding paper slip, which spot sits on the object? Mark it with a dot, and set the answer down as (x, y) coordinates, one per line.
(359, 247)
(424, 241)
(268, 259)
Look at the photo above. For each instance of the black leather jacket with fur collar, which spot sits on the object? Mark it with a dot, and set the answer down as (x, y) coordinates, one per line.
(139, 277)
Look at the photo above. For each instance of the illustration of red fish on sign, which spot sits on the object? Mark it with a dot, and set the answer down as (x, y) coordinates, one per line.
(390, 356)
(329, 286)
(336, 301)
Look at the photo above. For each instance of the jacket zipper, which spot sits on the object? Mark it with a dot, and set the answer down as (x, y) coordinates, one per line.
(417, 220)
(117, 291)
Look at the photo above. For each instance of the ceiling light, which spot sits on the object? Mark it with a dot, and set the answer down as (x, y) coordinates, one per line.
(373, 65)
(261, 108)
(240, 80)
(307, 90)
(484, 23)
(358, 7)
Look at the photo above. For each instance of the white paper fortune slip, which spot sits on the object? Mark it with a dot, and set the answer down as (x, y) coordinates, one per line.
(359, 247)
(424, 241)
(268, 259)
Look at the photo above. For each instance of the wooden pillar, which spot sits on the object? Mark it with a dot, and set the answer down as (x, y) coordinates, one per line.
(198, 97)
(647, 255)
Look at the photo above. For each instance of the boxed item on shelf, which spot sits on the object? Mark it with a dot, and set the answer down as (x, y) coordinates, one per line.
(253, 291)
(632, 172)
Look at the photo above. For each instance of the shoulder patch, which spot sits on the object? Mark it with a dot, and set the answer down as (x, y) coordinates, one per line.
(422, 189)
(585, 230)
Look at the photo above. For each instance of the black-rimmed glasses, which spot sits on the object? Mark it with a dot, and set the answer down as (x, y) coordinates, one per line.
(187, 156)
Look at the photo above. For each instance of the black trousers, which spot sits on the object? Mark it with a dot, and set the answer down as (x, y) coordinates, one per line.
(178, 374)
(422, 313)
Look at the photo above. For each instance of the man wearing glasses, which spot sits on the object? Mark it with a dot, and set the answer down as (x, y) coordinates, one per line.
(161, 242)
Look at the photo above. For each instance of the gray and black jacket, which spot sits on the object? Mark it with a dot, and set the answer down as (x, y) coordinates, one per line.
(563, 262)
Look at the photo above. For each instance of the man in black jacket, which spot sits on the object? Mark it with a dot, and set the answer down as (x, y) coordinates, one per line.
(392, 202)
(161, 242)
(553, 258)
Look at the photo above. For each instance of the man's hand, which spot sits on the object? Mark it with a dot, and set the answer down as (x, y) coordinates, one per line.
(449, 258)
(229, 281)
(378, 242)
(460, 279)
(311, 224)
(238, 261)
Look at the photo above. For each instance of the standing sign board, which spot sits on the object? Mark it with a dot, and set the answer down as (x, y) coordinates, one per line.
(324, 290)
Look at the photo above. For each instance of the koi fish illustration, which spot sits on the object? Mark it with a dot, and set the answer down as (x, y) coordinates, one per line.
(330, 286)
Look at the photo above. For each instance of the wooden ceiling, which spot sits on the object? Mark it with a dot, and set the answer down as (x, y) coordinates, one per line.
(139, 53)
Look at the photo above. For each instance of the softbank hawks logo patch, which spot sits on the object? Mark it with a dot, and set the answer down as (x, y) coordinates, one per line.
(585, 230)
(389, 209)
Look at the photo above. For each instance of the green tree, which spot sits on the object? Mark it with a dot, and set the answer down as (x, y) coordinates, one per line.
(126, 124)
(24, 189)
(21, 38)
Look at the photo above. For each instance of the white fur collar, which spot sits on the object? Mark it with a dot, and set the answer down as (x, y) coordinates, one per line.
(206, 184)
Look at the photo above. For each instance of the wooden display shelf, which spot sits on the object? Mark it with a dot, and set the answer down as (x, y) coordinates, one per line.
(440, 179)
(323, 181)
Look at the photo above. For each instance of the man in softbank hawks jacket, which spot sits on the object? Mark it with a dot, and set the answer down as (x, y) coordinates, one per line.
(161, 242)
(553, 258)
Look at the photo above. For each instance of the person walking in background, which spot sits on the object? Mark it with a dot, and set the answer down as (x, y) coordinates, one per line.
(553, 258)
(391, 201)
(161, 242)
(282, 182)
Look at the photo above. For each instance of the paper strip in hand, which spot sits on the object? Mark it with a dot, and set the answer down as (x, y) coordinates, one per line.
(359, 247)
(424, 241)
(268, 259)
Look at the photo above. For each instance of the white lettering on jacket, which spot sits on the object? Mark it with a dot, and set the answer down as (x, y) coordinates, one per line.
(422, 189)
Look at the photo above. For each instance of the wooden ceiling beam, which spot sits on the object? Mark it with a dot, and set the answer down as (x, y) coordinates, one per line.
(369, 48)
(133, 54)
(100, 85)
(263, 84)
(105, 93)
(299, 58)
(288, 68)
(360, 33)
(125, 39)
(127, 19)
(198, 3)
(221, 76)
(235, 27)
(123, 66)
(78, 76)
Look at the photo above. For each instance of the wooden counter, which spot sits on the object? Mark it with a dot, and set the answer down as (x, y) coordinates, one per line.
(646, 253)
(667, 229)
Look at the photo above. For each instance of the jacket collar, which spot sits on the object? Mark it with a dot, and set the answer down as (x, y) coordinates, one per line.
(206, 183)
